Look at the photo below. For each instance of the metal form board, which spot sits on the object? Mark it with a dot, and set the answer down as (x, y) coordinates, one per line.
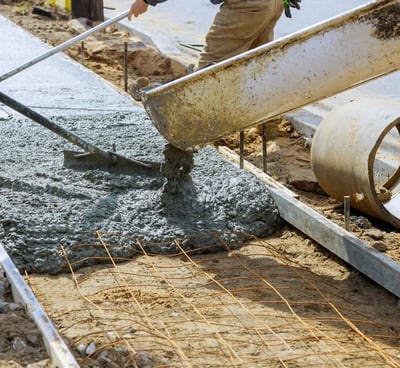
(377, 266)
(57, 350)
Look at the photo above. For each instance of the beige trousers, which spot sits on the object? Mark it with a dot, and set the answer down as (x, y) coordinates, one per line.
(240, 25)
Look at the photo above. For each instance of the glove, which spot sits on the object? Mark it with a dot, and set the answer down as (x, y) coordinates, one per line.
(290, 4)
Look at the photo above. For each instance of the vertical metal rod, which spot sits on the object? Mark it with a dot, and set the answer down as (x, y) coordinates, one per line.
(346, 205)
(82, 52)
(264, 147)
(126, 66)
(241, 148)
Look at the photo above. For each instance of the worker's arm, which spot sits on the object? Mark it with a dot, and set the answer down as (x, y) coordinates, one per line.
(140, 6)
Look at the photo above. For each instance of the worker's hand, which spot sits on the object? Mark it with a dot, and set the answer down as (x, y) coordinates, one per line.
(290, 4)
(138, 7)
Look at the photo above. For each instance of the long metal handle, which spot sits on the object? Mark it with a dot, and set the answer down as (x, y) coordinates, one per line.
(99, 156)
(40, 119)
(64, 45)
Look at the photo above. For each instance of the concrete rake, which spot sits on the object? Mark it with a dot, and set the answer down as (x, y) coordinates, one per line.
(93, 157)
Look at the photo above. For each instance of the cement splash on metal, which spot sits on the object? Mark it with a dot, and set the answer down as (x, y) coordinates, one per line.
(386, 22)
(44, 205)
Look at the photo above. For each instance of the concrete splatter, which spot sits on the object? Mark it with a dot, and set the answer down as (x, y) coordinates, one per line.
(386, 21)
(44, 204)
(176, 169)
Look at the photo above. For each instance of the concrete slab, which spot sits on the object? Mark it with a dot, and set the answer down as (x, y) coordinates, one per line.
(56, 83)
(43, 204)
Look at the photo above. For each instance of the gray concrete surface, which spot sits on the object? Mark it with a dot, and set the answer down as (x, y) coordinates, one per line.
(43, 204)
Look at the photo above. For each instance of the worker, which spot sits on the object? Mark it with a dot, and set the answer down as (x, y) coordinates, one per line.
(239, 25)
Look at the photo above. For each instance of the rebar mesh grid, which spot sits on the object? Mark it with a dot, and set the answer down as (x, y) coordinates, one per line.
(239, 307)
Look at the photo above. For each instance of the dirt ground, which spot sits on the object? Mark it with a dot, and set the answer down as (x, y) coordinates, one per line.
(287, 301)
(20, 339)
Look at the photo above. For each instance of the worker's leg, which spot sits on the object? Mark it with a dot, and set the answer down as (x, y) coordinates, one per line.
(239, 26)
(267, 35)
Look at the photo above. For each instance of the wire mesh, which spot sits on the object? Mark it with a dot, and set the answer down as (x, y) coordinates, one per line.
(237, 307)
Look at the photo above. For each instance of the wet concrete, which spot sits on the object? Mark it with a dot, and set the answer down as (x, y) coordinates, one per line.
(176, 168)
(43, 204)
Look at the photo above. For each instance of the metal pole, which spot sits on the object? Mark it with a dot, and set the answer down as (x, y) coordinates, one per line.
(126, 66)
(264, 146)
(64, 45)
(346, 205)
(241, 148)
(83, 53)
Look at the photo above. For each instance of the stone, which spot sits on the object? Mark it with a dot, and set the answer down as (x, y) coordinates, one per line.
(41, 11)
(303, 179)
(79, 25)
(81, 349)
(90, 349)
(33, 339)
(18, 344)
(12, 307)
(361, 222)
(374, 234)
(379, 246)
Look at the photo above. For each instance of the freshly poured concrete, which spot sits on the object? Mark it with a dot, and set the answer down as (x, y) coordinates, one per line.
(43, 204)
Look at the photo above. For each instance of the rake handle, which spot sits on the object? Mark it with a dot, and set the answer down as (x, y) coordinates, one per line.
(63, 46)
(42, 120)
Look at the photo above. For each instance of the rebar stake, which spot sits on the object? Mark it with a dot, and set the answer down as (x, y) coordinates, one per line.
(346, 206)
(264, 146)
(241, 149)
(126, 66)
(82, 52)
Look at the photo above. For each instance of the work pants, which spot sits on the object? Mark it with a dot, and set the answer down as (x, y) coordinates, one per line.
(240, 25)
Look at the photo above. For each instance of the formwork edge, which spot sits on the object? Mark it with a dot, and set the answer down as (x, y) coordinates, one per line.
(58, 352)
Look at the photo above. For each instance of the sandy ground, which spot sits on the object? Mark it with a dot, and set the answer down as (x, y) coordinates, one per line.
(278, 302)
(20, 339)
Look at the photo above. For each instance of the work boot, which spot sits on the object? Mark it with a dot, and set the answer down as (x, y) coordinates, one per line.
(137, 87)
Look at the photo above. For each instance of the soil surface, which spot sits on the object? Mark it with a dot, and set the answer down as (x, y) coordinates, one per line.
(20, 340)
(108, 320)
